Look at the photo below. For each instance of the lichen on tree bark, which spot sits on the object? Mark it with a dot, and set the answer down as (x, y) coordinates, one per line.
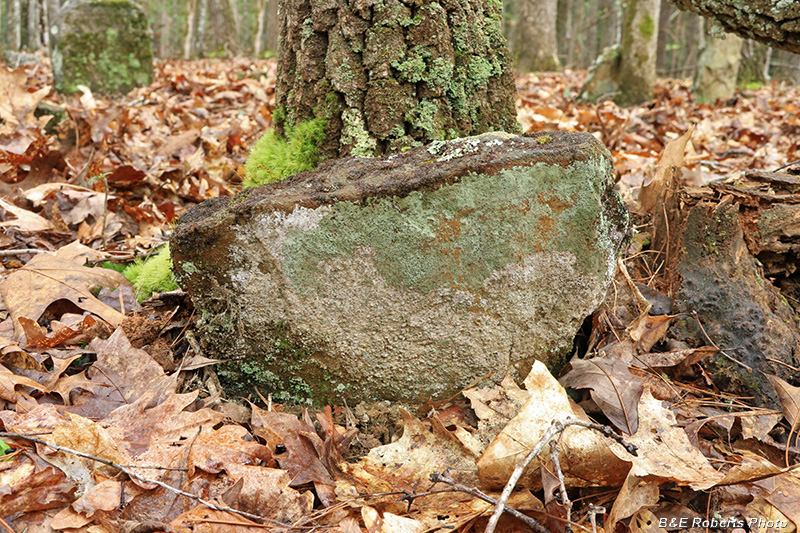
(389, 74)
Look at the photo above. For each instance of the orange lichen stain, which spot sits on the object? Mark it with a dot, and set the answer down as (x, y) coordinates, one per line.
(449, 229)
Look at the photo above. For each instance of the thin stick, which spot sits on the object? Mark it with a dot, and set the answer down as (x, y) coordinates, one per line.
(20, 251)
(556, 427)
(436, 477)
(554, 456)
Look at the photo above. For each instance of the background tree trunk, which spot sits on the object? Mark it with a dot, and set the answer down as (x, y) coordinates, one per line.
(34, 40)
(389, 76)
(608, 29)
(637, 68)
(224, 34)
(273, 31)
(200, 29)
(717, 67)
(15, 23)
(771, 22)
(664, 26)
(191, 28)
(536, 45)
(261, 19)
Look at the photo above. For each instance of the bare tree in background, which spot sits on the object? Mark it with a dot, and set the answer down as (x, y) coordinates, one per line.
(637, 69)
(717, 67)
(535, 42)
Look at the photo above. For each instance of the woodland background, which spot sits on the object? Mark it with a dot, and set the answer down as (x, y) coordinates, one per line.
(183, 29)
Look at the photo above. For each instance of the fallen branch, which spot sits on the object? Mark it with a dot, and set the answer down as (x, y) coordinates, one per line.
(556, 427)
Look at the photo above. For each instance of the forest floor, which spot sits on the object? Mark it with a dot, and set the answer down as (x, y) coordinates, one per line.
(113, 419)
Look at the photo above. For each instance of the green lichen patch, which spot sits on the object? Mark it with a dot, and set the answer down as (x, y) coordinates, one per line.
(448, 237)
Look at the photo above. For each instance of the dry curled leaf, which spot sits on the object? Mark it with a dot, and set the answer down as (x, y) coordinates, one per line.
(47, 278)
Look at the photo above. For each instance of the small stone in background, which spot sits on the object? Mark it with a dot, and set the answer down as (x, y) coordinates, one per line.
(102, 44)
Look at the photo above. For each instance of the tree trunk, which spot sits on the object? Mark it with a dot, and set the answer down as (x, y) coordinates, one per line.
(389, 76)
(261, 19)
(200, 32)
(191, 28)
(15, 21)
(775, 23)
(225, 35)
(664, 27)
(717, 67)
(45, 24)
(637, 68)
(608, 30)
(273, 30)
(535, 36)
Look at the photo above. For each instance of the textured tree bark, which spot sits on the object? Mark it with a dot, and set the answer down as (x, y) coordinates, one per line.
(776, 23)
(717, 68)
(386, 75)
(637, 67)
(536, 45)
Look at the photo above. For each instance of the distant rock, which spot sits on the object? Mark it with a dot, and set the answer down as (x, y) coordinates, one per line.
(408, 276)
(102, 44)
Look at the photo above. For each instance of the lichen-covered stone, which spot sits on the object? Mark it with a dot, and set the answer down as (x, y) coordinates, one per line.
(102, 44)
(408, 276)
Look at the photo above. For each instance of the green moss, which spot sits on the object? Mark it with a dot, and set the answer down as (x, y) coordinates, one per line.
(413, 68)
(480, 70)
(440, 74)
(647, 28)
(274, 158)
(277, 373)
(154, 274)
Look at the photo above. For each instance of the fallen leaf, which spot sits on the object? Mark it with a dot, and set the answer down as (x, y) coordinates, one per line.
(29, 290)
(586, 457)
(25, 220)
(613, 388)
(664, 449)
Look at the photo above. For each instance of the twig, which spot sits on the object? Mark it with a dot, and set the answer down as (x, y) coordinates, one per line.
(713, 344)
(436, 477)
(642, 304)
(593, 515)
(20, 251)
(556, 427)
(787, 165)
(143, 479)
(6, 527)
(554, 456)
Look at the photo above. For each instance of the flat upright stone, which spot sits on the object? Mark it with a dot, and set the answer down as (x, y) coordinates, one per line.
(105, 45)
(408, 276)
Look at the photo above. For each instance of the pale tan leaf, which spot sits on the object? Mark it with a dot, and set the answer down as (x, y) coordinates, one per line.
(25, 220)
(28, 291)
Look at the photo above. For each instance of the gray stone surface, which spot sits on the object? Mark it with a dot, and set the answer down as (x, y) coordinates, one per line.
(408, 276)
(105, 45)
